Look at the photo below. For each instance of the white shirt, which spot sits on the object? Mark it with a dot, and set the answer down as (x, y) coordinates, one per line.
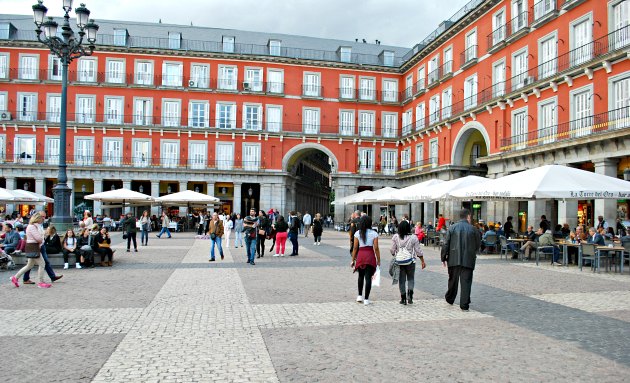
(371, 235)
(307, 219)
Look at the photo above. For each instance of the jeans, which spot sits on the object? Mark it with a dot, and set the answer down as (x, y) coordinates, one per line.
(318, 238)
(132, 237)
(238, 240)
(66, 254)
(293, 237)
(144, 237)
(217, 240)
(250, 245)
(307, 228)
(48, 267)
(407, 273)
(260, 245)
(164, 230)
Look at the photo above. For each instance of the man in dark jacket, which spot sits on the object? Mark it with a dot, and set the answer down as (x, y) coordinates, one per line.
(459, 252)
(129, 228)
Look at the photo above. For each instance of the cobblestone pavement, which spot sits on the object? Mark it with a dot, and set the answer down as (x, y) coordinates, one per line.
(166, 314)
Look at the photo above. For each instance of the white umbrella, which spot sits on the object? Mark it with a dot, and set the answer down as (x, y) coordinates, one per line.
(442, 190)
(548, 182)
(187, 197)
(13, 196)
(120, 195)
(351, 199)
(40, 198)
(381, 195)
(412, 193)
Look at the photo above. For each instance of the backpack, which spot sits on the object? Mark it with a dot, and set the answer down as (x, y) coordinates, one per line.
(403, 256)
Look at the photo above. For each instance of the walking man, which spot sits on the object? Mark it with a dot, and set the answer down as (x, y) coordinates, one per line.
(165, 223)
(249, 232)
(216, 235)
(307, 220)
(459, 252)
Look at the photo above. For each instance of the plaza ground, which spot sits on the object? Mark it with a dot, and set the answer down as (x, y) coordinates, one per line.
(166, 314)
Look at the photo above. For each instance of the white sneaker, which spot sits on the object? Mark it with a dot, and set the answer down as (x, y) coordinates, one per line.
(366, 302)
(282, 255)
(78, 266)
(557, 264)
(319, 243)
(65, 266)
(276, 255)
(359, 298)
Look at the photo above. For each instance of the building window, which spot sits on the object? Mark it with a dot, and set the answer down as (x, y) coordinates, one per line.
(83, 151)
(85, 109)
(228, 44)
(447, 101)
(225, 155)
(409, 87)
(251, 157)
(519, 129)
(407, 118)
(174, 40)
(114, 110)
(112, 151)
(619, 101)
(29, 67)
(253, 80)
(4, 66)
(471, 46)
(141, 153)
(498, 27)
(389, 124)
(620, 19)
(498, 79)
(548, 57)
(448, 61)
(170, 154)
(199, 76)
(390, 91)
(54, 108)
(420, 116)
(3, 102)
(434, 109)
(519, 15)
(345, 54)
(346, 122)
(120, 37)
(543, 7)
(547, 121)
(275, 48)
(388, 58)
(171, 113)
(143, 112)
(433, 152)
(198, 114)
(144, 73)
(172, 74)
(274, 118)
(520, 76)
(27, 107)
(419, 154)
(311, 121)
(367, 89)
(311, 85)
(115, 71)
(227, 77)
(420, 84)
(87, 70)
(346, 90)
(388, 167)
(434, 72)
(252, 117)
(366, 124)
(52, 150)
(405, 158)
(54, 68)
(5, 31)
(470, 92)
(226, 116)
(24, 150)
(275, 84)
(197, 154)
(366, 161)
(581, 37)
(581, 111)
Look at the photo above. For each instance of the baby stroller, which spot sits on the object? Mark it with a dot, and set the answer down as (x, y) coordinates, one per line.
(6, 262)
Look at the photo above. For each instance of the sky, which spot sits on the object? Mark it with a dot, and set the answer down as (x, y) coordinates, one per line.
(401, 23)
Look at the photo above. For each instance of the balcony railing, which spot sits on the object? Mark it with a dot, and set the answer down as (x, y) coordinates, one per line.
(496, 37)
(517, 25)
(420, 85)
(587, 126)
(389, 96)
(434, 77)
(418, 166)
(468, 56)
(447, 68)
(312, 90)
(543, 9)
(367, 94)
(347, 93)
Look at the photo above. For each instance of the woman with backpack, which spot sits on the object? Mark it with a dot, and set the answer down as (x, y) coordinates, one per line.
(406, 249)
(366, 256)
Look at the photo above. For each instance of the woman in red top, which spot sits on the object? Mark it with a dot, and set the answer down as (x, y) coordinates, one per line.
(441, 223)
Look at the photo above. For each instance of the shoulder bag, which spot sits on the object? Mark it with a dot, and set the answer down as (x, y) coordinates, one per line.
(403, 256)
(31, 250)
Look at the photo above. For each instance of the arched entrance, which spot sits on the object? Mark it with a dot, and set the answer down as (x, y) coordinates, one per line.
(471, 143)
(308, 185)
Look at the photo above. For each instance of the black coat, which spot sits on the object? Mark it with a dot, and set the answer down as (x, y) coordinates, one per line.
(317, 227)
(461, 245)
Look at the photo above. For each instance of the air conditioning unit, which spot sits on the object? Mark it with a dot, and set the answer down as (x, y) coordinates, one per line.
(528, 80)
(5, 116)
(192, 84)
(247, 86)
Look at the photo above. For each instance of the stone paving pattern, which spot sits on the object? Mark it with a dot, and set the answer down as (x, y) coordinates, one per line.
(166, 314)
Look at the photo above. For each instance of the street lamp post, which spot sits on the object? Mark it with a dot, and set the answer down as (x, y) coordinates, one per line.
(67, 48)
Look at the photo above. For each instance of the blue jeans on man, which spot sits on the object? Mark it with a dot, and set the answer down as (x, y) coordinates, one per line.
(163, 231)
(250, 245)
(217, 240)
(555, 256)
(48, 267)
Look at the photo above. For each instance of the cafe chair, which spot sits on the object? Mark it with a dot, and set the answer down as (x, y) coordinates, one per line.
(504, 247)
(544, 250)
(588, 251)
(625, 255)
(490, 242)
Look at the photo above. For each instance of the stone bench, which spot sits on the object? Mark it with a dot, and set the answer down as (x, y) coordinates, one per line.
(56, 260)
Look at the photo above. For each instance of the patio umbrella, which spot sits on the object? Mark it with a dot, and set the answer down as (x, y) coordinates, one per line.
(15, 196)
(384, 195)
(442, 190)
(548, 182)
(187, 197)
(124, 196)
(412, 193)
(40, 198)
(351, 199)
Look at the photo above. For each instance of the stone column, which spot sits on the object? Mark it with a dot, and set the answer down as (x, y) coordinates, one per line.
(98, 188)
(70, 184)
(606, 207)
(265, 197)
(183, 210)
(429, 213)
(155, 192)
(567, 213)
(535, 209)
(40, 185)
(10, 185)
(127, 184)
(237, 197)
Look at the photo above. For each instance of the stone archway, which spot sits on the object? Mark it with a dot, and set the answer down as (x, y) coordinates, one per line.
(471, 134)
(294, 154)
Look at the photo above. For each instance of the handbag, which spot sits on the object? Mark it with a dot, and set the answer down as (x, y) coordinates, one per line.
(213, 236)
(403, 256)
(125, 235)
(31, 250)
(262, 232)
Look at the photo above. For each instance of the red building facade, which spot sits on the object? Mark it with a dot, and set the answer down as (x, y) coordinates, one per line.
(268, 120)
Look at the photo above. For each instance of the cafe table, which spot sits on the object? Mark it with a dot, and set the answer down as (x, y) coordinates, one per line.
(565, 250)
(613, 248)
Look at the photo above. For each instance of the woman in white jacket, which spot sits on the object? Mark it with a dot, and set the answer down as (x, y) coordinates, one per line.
(34, 235)
(404, 239)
